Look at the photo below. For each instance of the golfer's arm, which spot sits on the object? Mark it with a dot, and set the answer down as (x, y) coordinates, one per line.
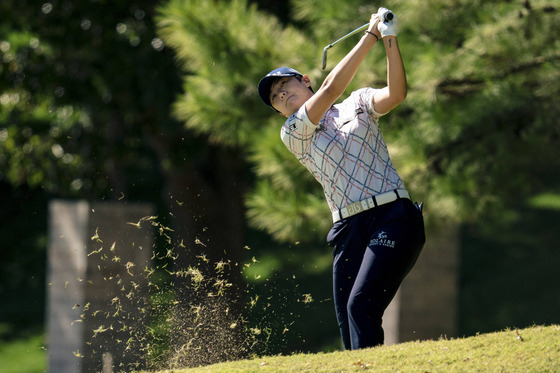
(395, 91)
(338, 79)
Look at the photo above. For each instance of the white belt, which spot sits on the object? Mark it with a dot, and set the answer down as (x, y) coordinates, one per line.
(369, 203)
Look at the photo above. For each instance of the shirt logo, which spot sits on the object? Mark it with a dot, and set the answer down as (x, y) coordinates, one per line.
(292, 126)
(382, 240)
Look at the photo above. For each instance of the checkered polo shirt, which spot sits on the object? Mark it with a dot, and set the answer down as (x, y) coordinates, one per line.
(346, 152)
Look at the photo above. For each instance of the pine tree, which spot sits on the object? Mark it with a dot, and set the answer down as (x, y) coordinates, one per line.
(482, 84)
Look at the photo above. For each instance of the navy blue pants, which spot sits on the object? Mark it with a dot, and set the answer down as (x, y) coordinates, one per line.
(373, 252)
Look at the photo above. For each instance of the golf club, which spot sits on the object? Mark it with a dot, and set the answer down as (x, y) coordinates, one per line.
(388, 17)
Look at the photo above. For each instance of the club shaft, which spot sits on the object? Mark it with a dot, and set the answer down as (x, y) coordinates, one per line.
(388, 17)
(361, 28)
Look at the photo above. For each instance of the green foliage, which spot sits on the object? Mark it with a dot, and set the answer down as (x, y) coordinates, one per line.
(483, 81)
(286, 214)
(74, 107)
(285, 198)
(325, 19)
(224, 49)
(80, 85)
(491, 102)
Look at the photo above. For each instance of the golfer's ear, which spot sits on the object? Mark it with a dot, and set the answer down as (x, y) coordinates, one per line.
(306, 80)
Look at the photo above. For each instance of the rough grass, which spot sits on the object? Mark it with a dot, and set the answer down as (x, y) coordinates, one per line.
(24, 355)
(535, 349)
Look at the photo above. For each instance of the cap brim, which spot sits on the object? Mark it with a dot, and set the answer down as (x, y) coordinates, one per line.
(264, 89)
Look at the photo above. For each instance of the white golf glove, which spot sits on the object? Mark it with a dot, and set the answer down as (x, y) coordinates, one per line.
(386, 27)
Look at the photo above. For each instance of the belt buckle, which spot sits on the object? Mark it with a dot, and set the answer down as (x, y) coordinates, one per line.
(354, 208)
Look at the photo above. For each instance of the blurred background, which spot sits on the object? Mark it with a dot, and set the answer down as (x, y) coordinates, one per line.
(156, 101)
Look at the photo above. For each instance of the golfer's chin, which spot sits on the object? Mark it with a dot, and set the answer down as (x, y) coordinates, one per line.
(291, 109)
(289, 113)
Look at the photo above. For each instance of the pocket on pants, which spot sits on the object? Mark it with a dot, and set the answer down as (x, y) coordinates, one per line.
(408, 222)
(398, 211)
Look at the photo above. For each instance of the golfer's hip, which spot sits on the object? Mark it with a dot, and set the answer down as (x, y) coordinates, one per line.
(369, 203)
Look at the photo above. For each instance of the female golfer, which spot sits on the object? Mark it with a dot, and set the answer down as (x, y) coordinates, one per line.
(378, 232)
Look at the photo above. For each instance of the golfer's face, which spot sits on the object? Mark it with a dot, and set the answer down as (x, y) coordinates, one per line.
(288, 94)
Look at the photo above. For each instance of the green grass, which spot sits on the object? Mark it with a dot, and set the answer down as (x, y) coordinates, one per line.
(535, 349)
(23, 355)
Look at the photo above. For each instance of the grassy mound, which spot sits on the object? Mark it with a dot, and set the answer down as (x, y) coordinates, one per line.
(535, 349)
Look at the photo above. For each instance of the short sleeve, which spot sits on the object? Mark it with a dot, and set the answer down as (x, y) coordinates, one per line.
(365, 97)
(297, 133)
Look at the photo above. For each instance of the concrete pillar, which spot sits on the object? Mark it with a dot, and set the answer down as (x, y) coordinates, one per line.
(95, 285)
(66, 262)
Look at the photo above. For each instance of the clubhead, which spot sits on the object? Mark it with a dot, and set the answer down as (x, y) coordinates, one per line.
(324, 60)
(361, 28)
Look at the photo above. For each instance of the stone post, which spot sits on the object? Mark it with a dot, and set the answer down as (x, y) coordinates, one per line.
(95, 285)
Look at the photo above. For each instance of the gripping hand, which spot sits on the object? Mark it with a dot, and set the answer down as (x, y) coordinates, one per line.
(387, 25)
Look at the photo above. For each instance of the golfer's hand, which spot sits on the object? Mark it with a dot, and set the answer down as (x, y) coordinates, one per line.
(373, 25)
(386, 27)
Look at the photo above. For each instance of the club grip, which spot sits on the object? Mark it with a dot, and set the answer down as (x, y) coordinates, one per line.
(388, 16)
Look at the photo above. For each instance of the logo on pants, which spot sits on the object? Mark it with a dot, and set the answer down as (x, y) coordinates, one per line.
(382, 240)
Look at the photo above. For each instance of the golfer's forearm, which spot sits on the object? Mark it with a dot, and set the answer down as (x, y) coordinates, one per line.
(396, 76)
(337, 81)
(341, 76)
